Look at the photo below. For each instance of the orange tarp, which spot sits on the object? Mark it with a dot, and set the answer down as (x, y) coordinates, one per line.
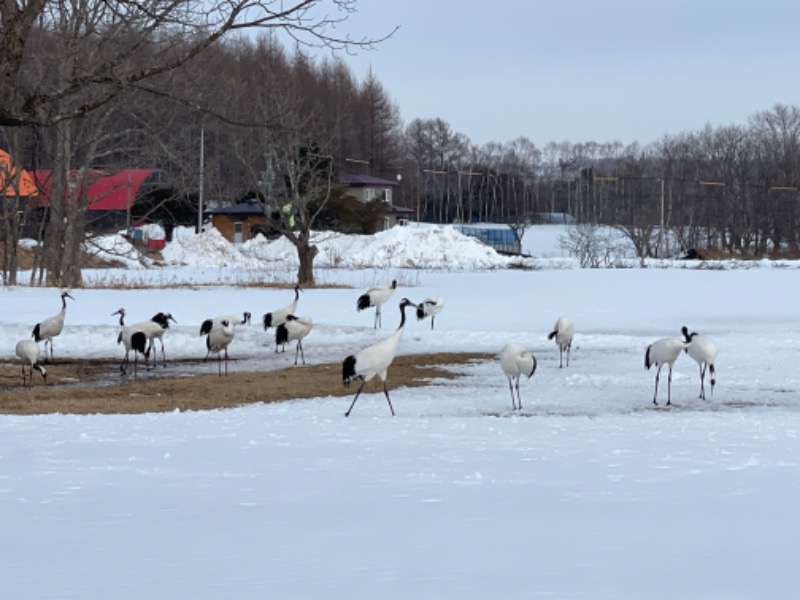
(13, 180)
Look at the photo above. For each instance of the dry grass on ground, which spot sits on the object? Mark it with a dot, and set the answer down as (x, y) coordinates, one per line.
(94, 386)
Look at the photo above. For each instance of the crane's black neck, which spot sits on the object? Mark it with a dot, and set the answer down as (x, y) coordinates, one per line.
(405, 302)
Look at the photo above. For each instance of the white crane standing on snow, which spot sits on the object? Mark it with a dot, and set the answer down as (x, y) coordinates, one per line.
(28, 353)
(563, 332)
(219, 333)
(374, 360)
(516, 361)
(663, 352)
(131, 339)
(377, 297)
(704, 352)
(430, 307)
(49, 328)
(294, 328)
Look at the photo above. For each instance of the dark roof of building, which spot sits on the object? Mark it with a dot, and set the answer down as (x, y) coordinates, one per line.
(400, 210)
(352, 180)
(248, 207)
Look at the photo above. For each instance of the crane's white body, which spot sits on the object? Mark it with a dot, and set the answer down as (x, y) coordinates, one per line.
(294, 328)
(377, 297)
(28, 353)
(704, 352)
(663, 352)
(516, 361)
(51, 327)
(132, 339)
(563, 332)
(219, 332)
(430, 307)
(154, 330)
(375, 360)
(278, 317)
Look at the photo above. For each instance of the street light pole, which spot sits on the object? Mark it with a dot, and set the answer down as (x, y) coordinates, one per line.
(200, 185)
(661, 228)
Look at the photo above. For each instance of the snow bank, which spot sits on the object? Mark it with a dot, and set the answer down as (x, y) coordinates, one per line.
(206, 249)
(116, 248)
(429, 248)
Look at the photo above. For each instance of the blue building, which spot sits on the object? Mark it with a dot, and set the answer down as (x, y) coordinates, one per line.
(499, 237)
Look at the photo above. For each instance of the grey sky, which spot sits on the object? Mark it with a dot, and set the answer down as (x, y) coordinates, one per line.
(627, 70)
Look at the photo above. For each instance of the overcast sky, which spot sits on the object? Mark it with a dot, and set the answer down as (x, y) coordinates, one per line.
(582, 70)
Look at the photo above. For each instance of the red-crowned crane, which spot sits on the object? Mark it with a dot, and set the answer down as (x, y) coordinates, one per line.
(704, 352)
(49, 328)
(377, 297)
(28, 354)
(516, 361)
(219, 333)
(131, 339)
(154, 330)
(663, 352)
(294, 328)
(374, 360)
(563, 332)
(278, 317)
(430, 307)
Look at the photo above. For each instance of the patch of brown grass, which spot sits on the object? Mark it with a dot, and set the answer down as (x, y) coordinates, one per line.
(95, 386)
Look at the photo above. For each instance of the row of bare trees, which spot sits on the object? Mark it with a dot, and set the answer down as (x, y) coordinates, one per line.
(733, 187)
(98, 85)
(109, 85)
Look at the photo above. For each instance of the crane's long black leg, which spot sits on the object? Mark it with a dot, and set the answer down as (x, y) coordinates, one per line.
(702, 381)
(519, 398)
(352, 404)
(669, 386)
(386, 391)
(511, 390)
(658, 375)
(569, 352)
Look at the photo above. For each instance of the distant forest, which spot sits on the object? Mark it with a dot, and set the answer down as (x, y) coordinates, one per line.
(112, 86)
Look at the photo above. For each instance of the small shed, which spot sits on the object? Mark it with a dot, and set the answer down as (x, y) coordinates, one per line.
(240, 222)
(397, 215)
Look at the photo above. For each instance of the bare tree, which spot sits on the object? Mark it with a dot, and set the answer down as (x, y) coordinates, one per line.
(131, 42)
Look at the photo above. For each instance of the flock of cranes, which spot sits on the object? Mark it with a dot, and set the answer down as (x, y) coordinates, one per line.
(373, 361)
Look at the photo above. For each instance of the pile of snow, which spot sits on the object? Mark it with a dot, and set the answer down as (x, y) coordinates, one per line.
(399, 247)
(115, 248)
(206, 249)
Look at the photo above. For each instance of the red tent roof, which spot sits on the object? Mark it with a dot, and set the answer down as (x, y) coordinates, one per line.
(106, 192)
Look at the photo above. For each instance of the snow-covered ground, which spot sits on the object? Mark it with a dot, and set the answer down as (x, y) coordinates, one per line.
(590, 491)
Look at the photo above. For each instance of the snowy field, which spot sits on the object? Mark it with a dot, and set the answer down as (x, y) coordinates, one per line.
(589, 492)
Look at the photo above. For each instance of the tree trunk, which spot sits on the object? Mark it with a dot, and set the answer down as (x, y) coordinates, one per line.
(305, 254)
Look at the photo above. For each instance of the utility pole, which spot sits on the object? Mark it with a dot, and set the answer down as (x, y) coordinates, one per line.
(200, 185)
